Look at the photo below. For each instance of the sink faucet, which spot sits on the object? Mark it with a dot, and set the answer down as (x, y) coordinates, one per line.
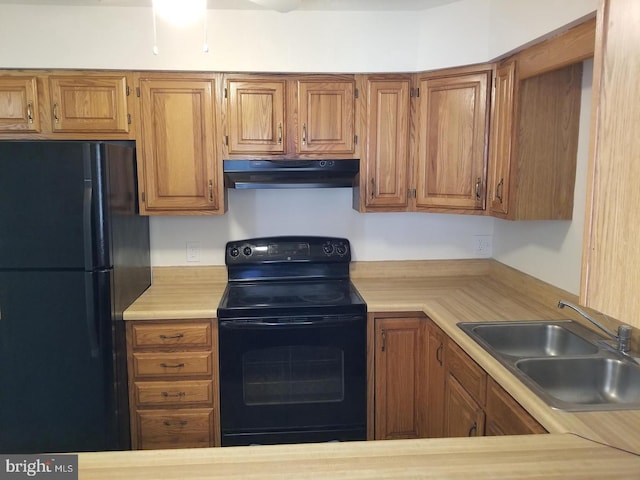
(623, 337)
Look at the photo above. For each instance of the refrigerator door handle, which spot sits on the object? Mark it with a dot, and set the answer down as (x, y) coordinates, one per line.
(87, 216)
(91, 306)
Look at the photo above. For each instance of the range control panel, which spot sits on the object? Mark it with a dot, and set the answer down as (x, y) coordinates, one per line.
(287, 249)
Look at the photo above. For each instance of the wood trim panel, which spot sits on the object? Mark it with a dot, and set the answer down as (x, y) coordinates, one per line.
(470, 375)
(573, 46)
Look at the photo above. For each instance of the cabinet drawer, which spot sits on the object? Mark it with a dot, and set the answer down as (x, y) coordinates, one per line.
(470, 375)
(175, 428)
(171, 334)
(154, 394)
(171, 364)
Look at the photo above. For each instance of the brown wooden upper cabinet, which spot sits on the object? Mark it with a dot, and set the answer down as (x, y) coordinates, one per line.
(89, 103)
(178, 157)
(452, 134)
(535, 123)
(65, 105)
(288, 117)
(19, 104)
(445, 170)
(534, 143)
(256, 118)
(384, 167)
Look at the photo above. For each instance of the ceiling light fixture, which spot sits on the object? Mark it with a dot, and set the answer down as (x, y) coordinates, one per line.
(279, 5)
(180, 13)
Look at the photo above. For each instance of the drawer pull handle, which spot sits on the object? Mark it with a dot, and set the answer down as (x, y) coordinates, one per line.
(499, 189)
(169, 337)
(473, 429)
(179, 423)
(175, 365)
(178, 394)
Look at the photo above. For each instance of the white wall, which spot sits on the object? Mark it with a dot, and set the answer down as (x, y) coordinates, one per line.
(468, 31)
(518, 22)
(552, 251)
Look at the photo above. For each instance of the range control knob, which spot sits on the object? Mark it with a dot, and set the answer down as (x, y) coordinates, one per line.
(341, 249)
(247, 251)
(234, 252)
(327, 248)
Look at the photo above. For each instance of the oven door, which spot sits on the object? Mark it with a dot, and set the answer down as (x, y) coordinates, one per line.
(293, 380)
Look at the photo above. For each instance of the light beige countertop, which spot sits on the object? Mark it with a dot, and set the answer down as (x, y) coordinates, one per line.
(448, 292)
(555, 457)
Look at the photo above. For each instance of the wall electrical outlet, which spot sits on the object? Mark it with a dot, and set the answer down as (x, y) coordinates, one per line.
(193, 251)
(483, 245)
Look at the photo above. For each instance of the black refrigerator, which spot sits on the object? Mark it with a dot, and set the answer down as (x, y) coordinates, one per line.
(74, 253)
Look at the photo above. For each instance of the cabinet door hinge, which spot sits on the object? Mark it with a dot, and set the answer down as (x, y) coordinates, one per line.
(225, 92)
(356, 93)
(411, 193)
(414, 92)
(129, 118)
(137, 91)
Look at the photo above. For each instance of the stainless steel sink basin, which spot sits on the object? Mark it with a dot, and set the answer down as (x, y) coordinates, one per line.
(587, 381)
(565, 363)
(532, 339)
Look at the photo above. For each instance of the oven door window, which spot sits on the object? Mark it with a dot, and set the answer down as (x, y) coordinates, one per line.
(293, 374)
(288, 376)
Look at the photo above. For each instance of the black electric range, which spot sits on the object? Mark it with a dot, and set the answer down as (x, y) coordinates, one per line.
(292, 343)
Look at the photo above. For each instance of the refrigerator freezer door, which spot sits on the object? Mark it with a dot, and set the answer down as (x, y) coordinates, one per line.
(58, 215)
(56, 363)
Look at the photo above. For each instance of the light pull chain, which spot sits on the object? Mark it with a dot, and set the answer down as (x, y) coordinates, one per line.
(205, 45)
(155, 33)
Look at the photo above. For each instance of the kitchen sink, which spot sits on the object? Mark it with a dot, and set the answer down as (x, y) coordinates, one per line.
(532, 339)
(585, 381)
(563, 362)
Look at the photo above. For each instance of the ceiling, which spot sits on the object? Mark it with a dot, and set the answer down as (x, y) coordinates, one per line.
(344, 5)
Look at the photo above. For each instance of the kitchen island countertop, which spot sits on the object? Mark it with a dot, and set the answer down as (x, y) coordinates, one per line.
(548, 457)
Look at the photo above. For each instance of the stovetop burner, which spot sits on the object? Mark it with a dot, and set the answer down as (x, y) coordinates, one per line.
(289, 276)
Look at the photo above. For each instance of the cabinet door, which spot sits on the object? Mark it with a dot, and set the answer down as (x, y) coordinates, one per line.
(505, 416)
(463, 417)
(400, 378)
(178, 152)
(435, 380)
(452, 133)
(386, 164)
(19, 104)
(89, 103)
(501, 136)
(326, 112)
(255, 116)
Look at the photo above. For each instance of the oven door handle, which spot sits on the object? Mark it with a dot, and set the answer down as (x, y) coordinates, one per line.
(246, 324)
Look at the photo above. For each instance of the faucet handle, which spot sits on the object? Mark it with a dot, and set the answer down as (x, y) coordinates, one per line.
(624, 338)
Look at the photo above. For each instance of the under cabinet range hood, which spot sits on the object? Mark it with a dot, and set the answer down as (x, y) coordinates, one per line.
(246, 174)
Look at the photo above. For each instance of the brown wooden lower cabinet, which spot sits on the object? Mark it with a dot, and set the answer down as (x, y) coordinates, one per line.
(505, 416)
(183, 428)
(400, 378)
(463, 416)
(173, 388)
(427, 386)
